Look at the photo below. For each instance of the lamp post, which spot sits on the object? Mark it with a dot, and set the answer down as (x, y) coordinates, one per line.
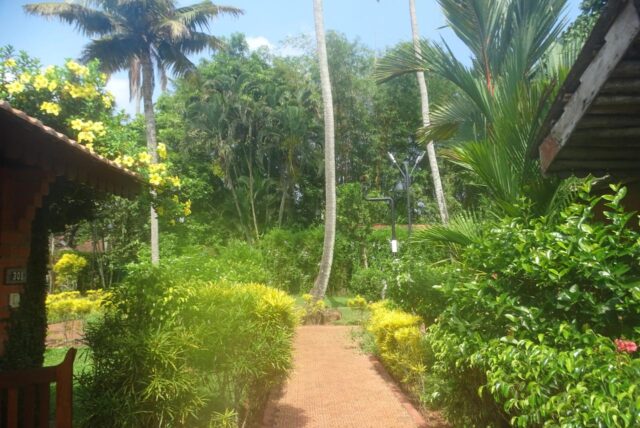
(390, 201)
(406, 175)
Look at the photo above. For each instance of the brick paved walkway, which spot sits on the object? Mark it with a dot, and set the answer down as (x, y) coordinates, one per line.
(334, 385)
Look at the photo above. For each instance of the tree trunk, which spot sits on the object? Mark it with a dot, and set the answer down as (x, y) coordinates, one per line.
(152, 145)
(252, 197)
(426, 121)
(283, 200)
(322, 280)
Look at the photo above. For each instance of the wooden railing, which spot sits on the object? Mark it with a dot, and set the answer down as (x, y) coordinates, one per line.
(25, 395)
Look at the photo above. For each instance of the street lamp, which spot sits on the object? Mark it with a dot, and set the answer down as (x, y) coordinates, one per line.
(390, 201)
(407, 174)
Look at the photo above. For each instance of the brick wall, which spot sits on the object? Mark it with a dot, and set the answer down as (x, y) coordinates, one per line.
(21, 192)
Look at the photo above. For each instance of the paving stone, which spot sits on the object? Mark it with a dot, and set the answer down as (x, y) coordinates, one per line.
(335, 385)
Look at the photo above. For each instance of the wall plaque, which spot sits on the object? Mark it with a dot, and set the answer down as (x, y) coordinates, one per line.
(15, 276)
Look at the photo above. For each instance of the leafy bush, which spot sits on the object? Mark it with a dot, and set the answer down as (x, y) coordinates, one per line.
(68, 268)
(170, 353)
(539, 322)
(370, 282)
(398, 342)
(292, 257)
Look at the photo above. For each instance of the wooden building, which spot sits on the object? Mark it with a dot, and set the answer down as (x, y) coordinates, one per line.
(593, 126)
(33, 157)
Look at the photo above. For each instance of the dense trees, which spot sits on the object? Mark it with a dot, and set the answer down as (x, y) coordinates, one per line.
(141, 36)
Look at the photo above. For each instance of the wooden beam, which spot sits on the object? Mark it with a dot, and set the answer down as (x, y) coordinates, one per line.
(627, 69)
(612, 153)
(622, 86)
(618, 39)
(611, 121)
(608, 134)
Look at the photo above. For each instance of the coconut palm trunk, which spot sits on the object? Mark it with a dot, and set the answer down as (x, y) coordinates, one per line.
(426, 121)
(152, 145)
(322, 280)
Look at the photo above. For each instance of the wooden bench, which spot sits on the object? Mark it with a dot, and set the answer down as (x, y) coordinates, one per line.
(25, 395)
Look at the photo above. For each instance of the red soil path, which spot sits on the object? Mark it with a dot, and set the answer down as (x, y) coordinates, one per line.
(334, 385)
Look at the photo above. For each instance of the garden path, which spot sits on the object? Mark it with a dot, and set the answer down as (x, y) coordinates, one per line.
(335, 385)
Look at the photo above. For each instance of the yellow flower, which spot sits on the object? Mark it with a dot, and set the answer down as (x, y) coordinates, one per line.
(77, 124)
(87, 136)
(159, 168)
(144, 158)
(51, 108)
(162, 151)
(15, 87)
(52, 85)
(175, 181)
(89, 146)
(97, 127)
(40, 82)
(155, 179)
(77, 69)
(10, 62)
(128, 161)
(107, 101)
(187, 208)
(25, 78)
(103, 78)
(49, 71)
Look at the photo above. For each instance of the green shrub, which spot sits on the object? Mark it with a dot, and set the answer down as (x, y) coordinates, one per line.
(292, 258)
(67, 270)
(170, 353)
(525, 335)
(370, 282)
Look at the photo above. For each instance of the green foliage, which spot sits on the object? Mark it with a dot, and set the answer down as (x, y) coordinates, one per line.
(172, 353)
(524, 331)
(68, 268)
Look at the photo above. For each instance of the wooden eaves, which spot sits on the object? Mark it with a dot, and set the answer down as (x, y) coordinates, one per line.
(25, 140)
(593, 126)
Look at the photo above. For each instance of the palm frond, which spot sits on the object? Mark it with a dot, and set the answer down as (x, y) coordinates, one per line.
(198, 16)
(90, 22)
(114, 51)
(463, 229)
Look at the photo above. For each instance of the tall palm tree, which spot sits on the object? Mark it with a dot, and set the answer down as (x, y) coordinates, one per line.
(426, 120)
(138, 35)
(322, 280)
(501, 98)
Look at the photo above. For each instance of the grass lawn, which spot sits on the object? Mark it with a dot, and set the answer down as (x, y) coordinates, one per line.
(54, 356)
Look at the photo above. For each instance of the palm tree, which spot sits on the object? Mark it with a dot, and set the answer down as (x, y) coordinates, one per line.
(501, 99)
(322, 280)
(426, 120)
(136, 35)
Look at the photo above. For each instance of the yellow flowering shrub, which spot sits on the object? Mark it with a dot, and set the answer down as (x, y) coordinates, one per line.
(398, 340)
(71, 305)
(51, 108)
(67, 269)
(73, 99)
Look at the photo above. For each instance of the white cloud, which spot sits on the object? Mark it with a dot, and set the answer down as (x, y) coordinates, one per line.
(259, 42)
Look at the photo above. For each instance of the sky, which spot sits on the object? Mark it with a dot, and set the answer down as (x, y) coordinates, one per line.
(377, 24)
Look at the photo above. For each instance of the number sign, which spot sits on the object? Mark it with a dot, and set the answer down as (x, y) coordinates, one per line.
(15, 276)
